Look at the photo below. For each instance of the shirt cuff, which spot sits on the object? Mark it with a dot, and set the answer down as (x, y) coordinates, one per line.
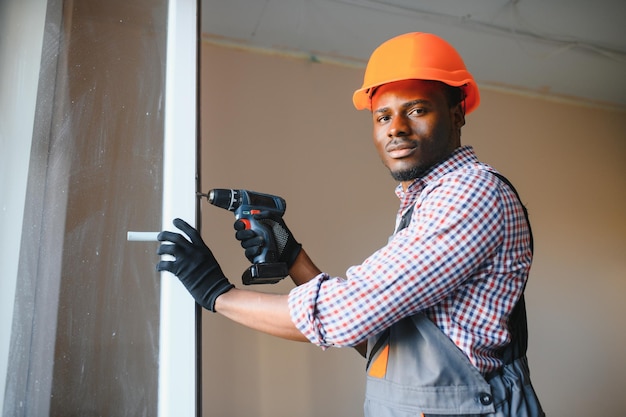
(303, 310)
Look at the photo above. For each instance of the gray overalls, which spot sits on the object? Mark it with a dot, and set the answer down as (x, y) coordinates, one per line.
(414, 369)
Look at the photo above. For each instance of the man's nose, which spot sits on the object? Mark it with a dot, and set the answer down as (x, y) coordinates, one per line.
(399, 127)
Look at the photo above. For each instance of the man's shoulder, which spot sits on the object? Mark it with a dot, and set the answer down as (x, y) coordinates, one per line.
(474, 185)
(476, 173)
(462, 159)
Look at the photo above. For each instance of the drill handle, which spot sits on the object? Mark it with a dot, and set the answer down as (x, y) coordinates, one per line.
(265, 268)
(263, 228)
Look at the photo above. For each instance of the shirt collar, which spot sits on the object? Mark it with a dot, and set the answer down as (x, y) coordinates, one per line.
(458, 158)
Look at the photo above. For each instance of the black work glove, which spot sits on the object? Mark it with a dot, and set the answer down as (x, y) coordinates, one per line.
(287, 246)
(195, 266)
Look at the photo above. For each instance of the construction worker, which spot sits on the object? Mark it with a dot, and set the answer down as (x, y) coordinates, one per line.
(439, 311)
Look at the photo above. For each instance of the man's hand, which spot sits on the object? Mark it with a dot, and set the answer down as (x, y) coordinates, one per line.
(287, 246)
(194, 265)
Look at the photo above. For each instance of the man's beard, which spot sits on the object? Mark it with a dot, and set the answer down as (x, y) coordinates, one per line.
(408, 174)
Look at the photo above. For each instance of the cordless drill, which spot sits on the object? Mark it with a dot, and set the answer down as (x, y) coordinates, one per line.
(265, 268)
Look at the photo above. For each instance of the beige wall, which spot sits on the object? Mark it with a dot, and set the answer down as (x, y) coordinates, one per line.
(287, 126)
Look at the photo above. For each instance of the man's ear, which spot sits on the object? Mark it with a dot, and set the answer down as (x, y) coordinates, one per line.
(458, 114)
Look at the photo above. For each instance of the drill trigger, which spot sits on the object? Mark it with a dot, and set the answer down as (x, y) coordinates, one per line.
(246, 222)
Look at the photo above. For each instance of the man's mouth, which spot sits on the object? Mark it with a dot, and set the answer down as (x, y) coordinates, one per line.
(401, 150)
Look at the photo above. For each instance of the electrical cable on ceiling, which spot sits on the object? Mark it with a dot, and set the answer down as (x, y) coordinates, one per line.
(258, 21)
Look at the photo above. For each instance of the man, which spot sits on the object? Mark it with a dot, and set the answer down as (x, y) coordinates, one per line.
(441, 305)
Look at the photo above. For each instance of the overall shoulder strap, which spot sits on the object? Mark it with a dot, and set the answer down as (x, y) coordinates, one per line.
(383, 337)
(518, 324)
(508, 183)
(406, 218)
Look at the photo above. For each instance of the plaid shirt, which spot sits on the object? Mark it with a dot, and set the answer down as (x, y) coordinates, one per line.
(463, 261)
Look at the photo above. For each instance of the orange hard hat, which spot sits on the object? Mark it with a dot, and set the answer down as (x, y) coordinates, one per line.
(416, 56)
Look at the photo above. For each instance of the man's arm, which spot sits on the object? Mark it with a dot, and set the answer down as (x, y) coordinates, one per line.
(268, 313)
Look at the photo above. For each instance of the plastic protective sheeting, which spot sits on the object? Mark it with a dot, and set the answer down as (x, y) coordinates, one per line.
(86, 322)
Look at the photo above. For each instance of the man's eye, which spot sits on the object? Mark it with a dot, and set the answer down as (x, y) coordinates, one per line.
(383, 118)
(417, 111)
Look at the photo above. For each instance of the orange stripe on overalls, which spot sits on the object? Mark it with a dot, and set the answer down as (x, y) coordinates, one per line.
(378, 368)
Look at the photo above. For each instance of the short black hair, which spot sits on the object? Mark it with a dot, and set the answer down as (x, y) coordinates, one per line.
(455, 95)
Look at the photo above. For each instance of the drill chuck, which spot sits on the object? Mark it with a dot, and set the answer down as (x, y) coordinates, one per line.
(224, 198)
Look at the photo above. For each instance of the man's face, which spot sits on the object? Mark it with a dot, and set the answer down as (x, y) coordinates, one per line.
(414, 127)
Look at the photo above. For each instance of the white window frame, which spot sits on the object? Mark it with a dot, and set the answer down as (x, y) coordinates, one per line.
(178, 371)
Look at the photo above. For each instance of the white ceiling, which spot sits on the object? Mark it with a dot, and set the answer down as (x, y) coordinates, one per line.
(572, 49)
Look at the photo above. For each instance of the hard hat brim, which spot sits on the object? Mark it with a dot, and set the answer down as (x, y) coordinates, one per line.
(362, 99)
